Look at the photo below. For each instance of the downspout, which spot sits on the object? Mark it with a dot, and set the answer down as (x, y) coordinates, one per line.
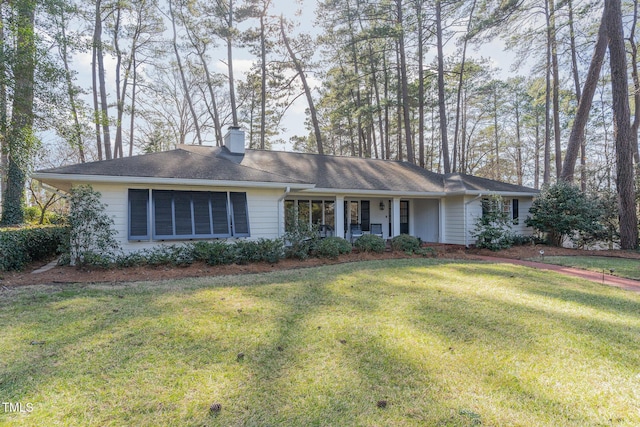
(466, 232)
(280, 199)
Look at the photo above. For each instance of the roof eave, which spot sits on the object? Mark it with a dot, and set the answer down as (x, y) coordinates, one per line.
(490, 192)
(67, 179)
(390, 193)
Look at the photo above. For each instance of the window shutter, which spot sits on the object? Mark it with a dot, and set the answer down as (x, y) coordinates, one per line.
(138, 214)
(220, 214)
(163, 213)
(240, 214)
(514, 210)
(365, 217)
(182, 209)
(201, 213)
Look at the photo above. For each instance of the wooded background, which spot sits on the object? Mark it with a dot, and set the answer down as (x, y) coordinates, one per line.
(389, 79)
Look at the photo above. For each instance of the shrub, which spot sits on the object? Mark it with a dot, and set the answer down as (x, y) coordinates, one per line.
(406, 243)
(176, 255)
(247, 251)
(493, 228)
(332, 247)
(132, 259)
(271, 250)
(301, 240)
(519, 240)
(91, 236)
(217, 252)
(22, 245)
(562, 210)
(370, 243)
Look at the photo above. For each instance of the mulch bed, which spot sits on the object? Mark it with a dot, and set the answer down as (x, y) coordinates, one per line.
(66, 274)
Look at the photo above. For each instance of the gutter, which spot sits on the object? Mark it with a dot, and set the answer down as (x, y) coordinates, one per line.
(141, 180)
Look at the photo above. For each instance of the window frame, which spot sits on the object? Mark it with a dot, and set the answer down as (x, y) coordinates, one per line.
(307, 212)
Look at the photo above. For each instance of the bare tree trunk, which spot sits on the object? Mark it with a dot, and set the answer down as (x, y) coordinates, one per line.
(404, 86)
(496, 169)
(201, 48)
(547, 104)
(556, 87)
(134, 89)
(584, 106)
(232, 90)
(519, 165)
(420, 24)
(374, 82)
(635, 125)
(64, 54)
(460, 82)
(94, 84)
(387, 132)
(263, 83)
(103, 112)
(441, 94)
(117, 146)
(305, 85)
(399, 116)
(622, 127)
(4, 158)
(185, 87)
(578, 87)
(536, 178)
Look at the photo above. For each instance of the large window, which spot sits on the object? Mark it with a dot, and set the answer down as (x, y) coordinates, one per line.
(187, 214)
(318, 212)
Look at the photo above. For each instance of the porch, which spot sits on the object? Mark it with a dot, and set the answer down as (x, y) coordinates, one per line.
(343, 216)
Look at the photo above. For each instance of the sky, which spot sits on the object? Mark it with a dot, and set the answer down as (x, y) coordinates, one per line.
(301, 12)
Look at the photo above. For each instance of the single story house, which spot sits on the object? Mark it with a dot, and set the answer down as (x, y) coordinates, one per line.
(201, 192)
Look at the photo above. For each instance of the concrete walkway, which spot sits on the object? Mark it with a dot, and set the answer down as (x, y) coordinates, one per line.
(46, 267)
(594, 276)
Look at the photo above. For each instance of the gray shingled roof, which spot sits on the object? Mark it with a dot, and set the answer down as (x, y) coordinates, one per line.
(326, 172)
(457, 182)
(179, 164)
(333, 172)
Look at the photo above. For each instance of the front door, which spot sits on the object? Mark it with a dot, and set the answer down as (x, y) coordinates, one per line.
(404, 217)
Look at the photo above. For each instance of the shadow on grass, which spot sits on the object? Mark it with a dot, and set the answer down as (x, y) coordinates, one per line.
(320, 345)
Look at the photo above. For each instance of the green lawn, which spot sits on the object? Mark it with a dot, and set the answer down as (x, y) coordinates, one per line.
(442, 343)
(622, 267)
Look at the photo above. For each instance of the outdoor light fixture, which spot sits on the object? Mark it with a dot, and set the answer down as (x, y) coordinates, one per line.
(381, 206)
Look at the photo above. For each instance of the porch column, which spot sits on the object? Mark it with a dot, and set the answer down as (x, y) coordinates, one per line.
(395, 227)
(339, 216)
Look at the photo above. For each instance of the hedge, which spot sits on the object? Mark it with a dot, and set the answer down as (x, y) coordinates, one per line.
(20, 246)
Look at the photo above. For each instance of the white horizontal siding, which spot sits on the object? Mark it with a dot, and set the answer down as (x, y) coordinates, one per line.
(262, 205)
(523, 212)
(454, 223)
(263, 213)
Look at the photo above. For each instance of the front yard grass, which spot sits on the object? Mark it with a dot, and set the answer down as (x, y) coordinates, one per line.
(622, 267)
(386, 343)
